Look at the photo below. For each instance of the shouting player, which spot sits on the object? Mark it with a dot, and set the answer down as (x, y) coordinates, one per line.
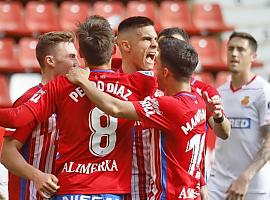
(180, 116)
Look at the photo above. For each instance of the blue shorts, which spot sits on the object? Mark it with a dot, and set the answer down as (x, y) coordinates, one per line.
(89, 197)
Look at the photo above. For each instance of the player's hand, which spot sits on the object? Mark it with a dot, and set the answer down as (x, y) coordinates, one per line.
(214, 105)
(204, 193)
(238, 189)
(77, 75)
(46, 184)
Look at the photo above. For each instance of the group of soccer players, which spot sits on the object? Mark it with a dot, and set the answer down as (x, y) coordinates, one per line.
(68, 126)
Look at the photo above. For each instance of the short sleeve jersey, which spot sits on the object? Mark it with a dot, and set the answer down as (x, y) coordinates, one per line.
(248, 109)
(176, 155)
(94, 152)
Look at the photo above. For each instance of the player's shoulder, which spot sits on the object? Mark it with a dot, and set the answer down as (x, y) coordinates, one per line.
(200, 87)
(27, 95)
(260, 82)
(142, 78)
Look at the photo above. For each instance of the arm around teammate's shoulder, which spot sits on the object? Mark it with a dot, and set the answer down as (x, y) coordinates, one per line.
(110, 105)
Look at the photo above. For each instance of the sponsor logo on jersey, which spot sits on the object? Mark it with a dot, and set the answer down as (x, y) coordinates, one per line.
(89, 197)
(188, 193)
(243, 123)
(245, 101)
(89, 168)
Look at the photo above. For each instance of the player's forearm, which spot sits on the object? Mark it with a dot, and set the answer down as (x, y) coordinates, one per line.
(16, 117)
(110, 105)
(222, 130)
(261, 158)
(14, 162)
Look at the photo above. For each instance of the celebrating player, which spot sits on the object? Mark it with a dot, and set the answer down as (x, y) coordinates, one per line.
(38, 141)
(95, 149)
(181, 117)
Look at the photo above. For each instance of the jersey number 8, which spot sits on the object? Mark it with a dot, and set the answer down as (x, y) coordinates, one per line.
(103, 138)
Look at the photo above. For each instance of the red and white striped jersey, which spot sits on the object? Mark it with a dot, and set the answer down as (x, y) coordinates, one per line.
(176, 148)
(141, 171)
(39, 150)
(94, 148)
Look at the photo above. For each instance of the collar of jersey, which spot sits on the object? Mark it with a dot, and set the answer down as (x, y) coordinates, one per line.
(101, 70)
(183, 93)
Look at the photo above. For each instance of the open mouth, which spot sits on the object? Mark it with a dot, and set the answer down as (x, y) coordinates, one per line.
(150, 58)
(234, 62)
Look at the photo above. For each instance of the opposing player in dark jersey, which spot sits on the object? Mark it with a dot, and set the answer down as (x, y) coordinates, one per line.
(37, 142)
(180, 116)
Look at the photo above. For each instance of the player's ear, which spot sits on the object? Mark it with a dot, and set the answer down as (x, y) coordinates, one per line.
(166, 72)
(124, 45)
(49, 60)
(254, 56)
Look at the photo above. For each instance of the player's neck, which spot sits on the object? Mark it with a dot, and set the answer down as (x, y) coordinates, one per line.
(102, 67)
(240, 79)
(46, 76)
(128, 67)
(175, 87)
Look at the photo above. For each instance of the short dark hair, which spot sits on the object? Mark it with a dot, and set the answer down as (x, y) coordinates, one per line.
(173, 31)
(179, 57)
(252, 41)
(96, 40)
(134, 22)
(48, 41)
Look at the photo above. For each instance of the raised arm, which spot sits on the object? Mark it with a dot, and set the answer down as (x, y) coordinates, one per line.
(217, 121)
(110, 105)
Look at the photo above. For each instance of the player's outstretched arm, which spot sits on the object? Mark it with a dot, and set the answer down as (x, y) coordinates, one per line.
(46, 184)
(217, 121)
(16, 117)
(110, 105)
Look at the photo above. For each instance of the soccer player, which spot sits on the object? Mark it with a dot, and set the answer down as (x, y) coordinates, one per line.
(219, 123)
(55, 53)
(241, 169)
(137, 43)
(95, 149)
(180, 115)
(175, 32)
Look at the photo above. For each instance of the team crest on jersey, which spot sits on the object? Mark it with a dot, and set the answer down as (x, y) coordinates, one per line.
(245, 101)
(150, 106)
